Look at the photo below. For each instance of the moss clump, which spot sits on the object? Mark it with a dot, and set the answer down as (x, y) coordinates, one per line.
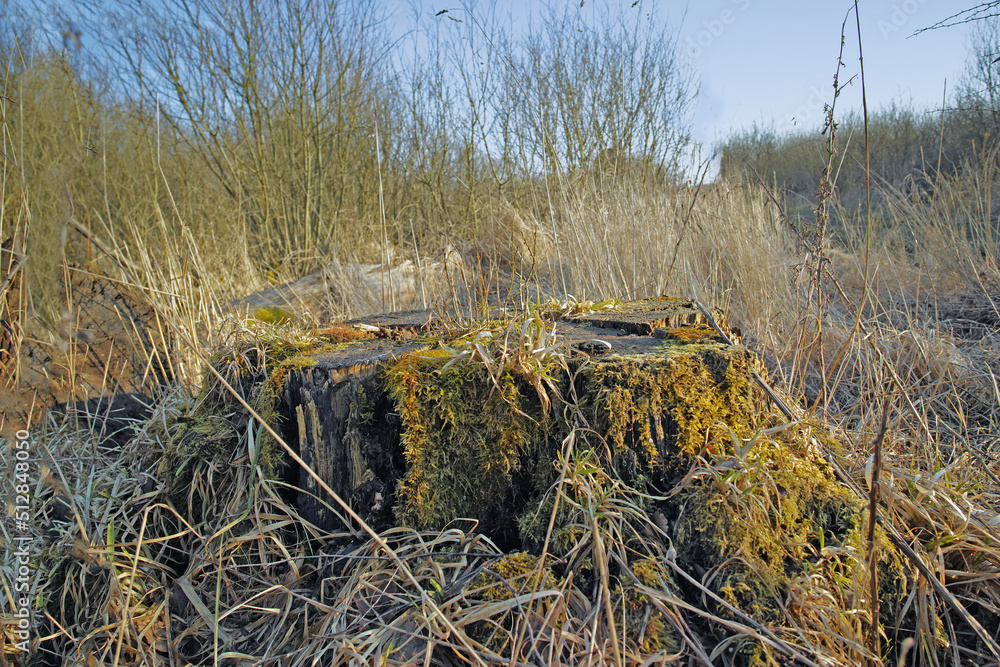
(645, 624)
(758, 521)
(700, 333)
(513, 574)
(464, 436)
(657, 412)
(590, 500)
(772, 518)
(273, 315)
(192, 436)
(568, 529)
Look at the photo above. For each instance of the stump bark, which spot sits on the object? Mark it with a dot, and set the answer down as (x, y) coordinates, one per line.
(337, 414)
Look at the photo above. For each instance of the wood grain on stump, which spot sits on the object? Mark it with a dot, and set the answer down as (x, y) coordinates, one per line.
(331, 410)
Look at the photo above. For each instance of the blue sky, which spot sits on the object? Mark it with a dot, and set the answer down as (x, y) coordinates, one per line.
(772, 62)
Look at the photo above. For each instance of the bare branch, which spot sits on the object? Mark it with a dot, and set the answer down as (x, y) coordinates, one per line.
(977, 13)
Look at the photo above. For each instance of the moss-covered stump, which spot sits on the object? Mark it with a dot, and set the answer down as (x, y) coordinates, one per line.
(575, 433)
(570, 480)
(485, 447)
(422, 427)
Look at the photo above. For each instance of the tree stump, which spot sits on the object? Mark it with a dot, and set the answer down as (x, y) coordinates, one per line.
(637, 425)
(413, 428)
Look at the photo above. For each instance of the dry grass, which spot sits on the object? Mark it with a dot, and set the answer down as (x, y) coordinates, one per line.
(125, 572)
(136, 577)
(128, 564)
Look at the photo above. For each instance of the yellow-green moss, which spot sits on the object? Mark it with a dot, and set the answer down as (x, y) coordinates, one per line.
(700, 333)
(645, 624)
(515, 573)
(567, 529)
(651, 408)
(512, 575)
(273, 315)
(191, 436)
(464, 434)
(773, 517)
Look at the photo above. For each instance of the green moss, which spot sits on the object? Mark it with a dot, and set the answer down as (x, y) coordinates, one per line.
(657, 412)
(273, 315)
(645, 625)
(894, 578)
(700, 333)
(773, 517)
(513, 574)
(567, 529)
(197, 442)
(464, 436)
(588, 496)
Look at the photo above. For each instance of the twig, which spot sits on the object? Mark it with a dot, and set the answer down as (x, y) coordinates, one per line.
(977, 13)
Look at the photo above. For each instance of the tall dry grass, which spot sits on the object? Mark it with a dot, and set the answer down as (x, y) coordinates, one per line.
(196, 212)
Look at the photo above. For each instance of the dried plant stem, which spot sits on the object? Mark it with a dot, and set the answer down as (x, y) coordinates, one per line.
(873, 500)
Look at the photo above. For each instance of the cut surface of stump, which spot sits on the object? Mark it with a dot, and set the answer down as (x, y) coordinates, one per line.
(643, 318)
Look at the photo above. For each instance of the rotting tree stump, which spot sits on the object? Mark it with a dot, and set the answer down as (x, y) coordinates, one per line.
(553, 432)
(404, 459)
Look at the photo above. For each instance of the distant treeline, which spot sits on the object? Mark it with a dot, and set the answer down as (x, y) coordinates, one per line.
(909, 147)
